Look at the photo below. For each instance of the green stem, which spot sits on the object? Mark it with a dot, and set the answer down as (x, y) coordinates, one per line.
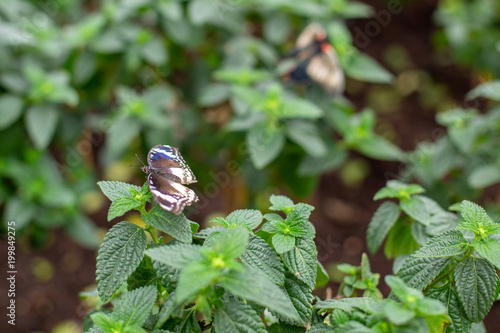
(152, 232)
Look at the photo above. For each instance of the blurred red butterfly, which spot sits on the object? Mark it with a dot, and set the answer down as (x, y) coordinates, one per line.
(317, 60)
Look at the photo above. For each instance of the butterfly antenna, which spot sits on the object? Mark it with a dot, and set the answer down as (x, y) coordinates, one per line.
(140, 160)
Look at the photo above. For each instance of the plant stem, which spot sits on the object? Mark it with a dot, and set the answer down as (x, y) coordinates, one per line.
(152, 232)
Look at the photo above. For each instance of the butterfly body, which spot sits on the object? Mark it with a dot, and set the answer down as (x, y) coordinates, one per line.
(167, 172)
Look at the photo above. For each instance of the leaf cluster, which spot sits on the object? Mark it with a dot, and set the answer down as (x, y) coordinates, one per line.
(227, 274)
(456, 263)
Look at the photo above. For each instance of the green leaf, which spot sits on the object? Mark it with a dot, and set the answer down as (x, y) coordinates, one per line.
(84, 67)
(299, 108)
(249, 95)
(476, 282)
(202, 12)
(448, 295)
(399, 190)
(306, 135)
(420, 208)
(243, 76)
(168, 275)
(363, 68)
(121, 133)
(281, 202)
(84, 231)
(120, 253)
(484, 176)
(321, 276)
(382, 221)
(276, 27)
(237, 317)
(260, 256)
(264, 145)
(155, 52)
(213, 94)
(177, 226)
(397, 314)
(320, 328)
(408, 295)
(283, 242)
(430, 307)
(474, 214)
(177, 255)
(344, 304)
(297, 222)
(253, 286)
(188, 324)
(231, 242)
(400, 240)
(11, 107)
(205, 233)
(104, 322)
(194, 278)
(114, 190)
(334, 157)
(301, 296)
(417, 272)
(301, 260)
(135, 307)
(167, 309)
(489, 249)
(379, 148)
(447, 244)
(41, 122)
(141, 277)
(248, 218)
(489, 90)
(122, 205)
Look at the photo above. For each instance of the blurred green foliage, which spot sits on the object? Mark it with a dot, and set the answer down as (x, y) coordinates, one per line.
(470, 29)
(86, 84)
(464, 160)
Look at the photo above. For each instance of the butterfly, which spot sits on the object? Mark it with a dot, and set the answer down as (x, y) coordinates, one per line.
(317, 60)
(167, 171)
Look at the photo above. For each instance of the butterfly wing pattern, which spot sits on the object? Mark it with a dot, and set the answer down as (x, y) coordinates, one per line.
(167, 172)
(317, 60)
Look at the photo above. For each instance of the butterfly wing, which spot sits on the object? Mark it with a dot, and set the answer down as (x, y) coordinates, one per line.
(170, 195)
(165, 159)
(309, 35)
(324, 68)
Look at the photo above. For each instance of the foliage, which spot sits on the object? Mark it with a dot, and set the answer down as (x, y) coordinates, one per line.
(456, 258)
(256, 273)
(464, 160)
(470, 29)
(96, 84)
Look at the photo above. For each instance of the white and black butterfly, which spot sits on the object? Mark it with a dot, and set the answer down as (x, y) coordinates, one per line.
(317, 60)
(167, 171)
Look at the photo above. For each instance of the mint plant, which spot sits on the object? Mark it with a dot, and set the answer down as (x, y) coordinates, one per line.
(256, 272)
(227, 274)
(408, 225)
(456, 257)
(464, 160)
(359, 278)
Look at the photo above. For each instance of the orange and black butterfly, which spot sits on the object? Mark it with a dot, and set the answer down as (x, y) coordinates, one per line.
(316, 60)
